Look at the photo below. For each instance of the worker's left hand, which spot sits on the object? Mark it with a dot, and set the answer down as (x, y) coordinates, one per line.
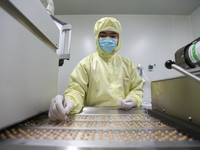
(56, 109)
(127, 103)
(60, 107)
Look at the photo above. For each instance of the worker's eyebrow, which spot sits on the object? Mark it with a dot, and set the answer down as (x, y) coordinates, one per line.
(102, 32)
(114, 33)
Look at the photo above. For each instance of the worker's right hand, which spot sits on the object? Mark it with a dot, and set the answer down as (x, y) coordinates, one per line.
(60, 107)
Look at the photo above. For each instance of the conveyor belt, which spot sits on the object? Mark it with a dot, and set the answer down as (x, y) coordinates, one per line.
(98, 128)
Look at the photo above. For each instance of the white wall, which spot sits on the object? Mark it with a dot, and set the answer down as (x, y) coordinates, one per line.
(146, 39)
(195, 23)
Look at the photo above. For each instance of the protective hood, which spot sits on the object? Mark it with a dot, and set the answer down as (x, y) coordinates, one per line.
(107, 23)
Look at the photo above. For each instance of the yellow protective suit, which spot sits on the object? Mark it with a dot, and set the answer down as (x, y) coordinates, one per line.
(101, 79)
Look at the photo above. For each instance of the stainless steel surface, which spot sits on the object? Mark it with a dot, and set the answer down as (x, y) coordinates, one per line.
(96, 128)
(179, 97)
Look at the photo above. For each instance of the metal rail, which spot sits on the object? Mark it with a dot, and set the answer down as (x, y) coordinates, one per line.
(171, 64)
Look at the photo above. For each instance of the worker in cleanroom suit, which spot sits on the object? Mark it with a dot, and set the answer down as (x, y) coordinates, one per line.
(103, 78)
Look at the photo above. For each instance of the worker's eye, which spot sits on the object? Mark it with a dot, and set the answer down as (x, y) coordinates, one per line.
(102, 35)
(113, 36)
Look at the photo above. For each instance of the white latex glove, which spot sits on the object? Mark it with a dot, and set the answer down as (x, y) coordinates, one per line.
(127, 103)
(59, 108)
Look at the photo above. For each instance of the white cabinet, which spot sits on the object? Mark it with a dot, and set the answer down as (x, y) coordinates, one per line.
(28, 62)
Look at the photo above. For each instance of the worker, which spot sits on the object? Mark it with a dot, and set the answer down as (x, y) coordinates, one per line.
(103, 78)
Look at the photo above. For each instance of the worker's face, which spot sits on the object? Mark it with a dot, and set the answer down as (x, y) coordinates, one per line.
(111, 34)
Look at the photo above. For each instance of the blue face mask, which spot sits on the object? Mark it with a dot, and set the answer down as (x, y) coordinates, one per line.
(108, 44)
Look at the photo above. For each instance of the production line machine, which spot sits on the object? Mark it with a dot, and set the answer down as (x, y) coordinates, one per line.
(97, 128)
(173, 121)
